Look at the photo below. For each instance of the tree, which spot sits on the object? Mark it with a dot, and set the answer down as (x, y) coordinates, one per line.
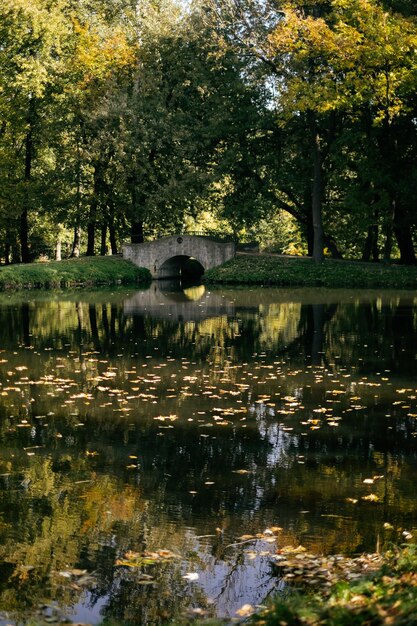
(31, 57)
(330, 65)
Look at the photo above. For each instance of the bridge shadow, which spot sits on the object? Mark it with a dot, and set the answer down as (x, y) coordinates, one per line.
(181, 266)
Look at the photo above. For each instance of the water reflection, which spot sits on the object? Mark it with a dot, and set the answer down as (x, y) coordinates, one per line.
(181, 420)
(166, 299)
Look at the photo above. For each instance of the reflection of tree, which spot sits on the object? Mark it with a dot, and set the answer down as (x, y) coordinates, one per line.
(89, 398)
(60, 525)
(290, 329)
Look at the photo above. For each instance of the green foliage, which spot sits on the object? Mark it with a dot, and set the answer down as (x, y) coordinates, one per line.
(272, 270)
(73, 272)
(114, 118)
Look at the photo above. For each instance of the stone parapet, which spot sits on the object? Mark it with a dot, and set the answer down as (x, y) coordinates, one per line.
(164, 257)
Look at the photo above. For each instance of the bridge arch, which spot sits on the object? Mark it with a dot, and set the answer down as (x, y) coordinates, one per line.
(166, 257)
(180, 266)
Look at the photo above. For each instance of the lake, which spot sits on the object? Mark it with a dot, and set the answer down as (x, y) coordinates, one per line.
(159, 446)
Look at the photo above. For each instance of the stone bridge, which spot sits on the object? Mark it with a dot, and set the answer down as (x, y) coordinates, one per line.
(167, 257)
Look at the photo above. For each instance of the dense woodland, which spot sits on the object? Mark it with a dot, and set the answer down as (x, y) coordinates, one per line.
(294, 123)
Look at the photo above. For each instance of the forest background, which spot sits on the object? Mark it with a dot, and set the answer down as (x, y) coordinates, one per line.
(291, 123)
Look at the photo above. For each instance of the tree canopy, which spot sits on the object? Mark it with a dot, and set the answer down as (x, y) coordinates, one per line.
(122, 119)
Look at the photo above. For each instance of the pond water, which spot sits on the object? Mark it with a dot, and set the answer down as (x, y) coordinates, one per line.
(148, 439)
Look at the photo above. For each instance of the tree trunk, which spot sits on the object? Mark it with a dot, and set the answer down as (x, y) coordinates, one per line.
(113, 241)
(405, 244)
(388, 243)
(309, 223)
(330, 243)
(136, 232)
(316, 195)
(375, 248)
(58, 249)
(7, 253)
(24, 237)
(402, 232)
(370, 249)
(103, 246)
(76, 242)
(91, 237)
(16, 253)
(98, 188)
(136, 228)
(388, 233)
(24, 226)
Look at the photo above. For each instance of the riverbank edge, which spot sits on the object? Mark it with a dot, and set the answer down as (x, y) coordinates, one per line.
(80, 272)
(385, 596)
(273, 270)
(245, 269)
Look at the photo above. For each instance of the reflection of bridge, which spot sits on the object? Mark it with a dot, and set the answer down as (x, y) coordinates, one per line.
(166, 257)
(177, 304)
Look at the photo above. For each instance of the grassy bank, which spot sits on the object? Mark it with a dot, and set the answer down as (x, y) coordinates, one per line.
(84, 271)
(385, 596)
(253, 269)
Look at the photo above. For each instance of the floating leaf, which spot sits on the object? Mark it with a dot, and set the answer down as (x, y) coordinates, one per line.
(246, 610)
(371, 498)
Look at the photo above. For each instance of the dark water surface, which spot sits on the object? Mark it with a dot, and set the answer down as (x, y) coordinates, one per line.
(143, 434)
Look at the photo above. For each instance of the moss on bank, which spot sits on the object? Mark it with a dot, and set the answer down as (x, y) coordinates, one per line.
(86, 271)
(283, 271)
(387, 596)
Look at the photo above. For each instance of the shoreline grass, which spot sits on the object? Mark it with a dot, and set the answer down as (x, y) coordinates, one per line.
(245, 269)
(270, 270)
(81, 272)
(384, 596)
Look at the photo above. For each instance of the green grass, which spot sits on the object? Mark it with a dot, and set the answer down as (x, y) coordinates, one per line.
(304, 272)
(86, 271)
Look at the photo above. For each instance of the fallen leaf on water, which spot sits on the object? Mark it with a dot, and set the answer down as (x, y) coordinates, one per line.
(371, 498)
(288, 549)
(164, 418)
(244, 537)
(245, 610)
